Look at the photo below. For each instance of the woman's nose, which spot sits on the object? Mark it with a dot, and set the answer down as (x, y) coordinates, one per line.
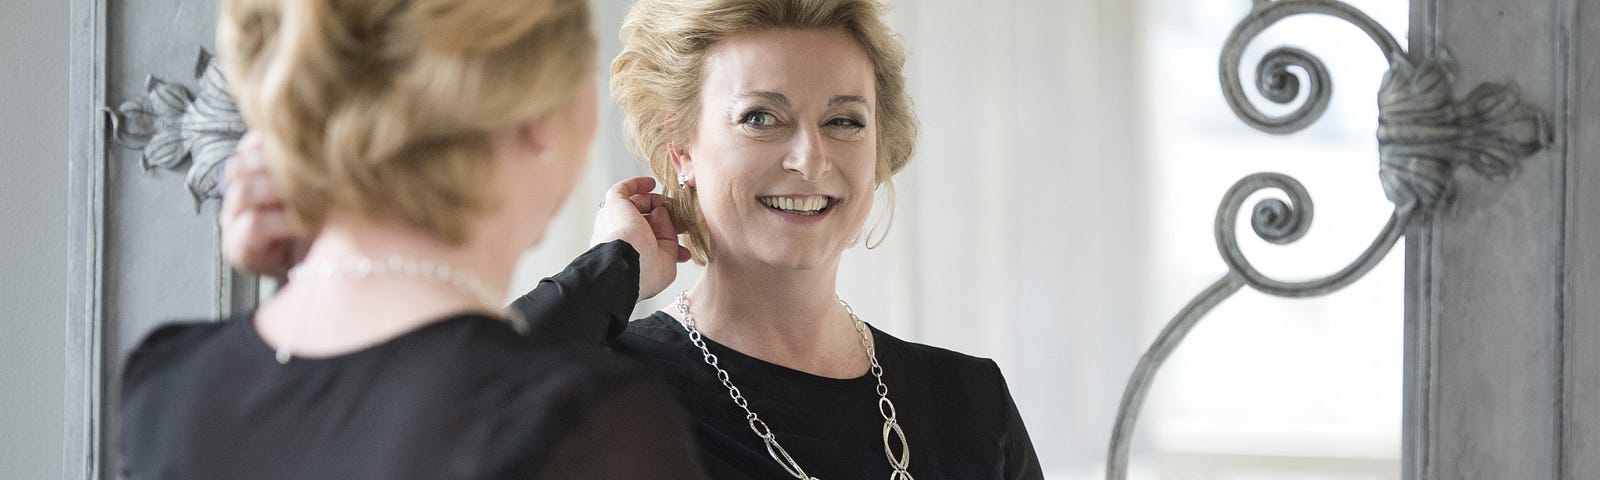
(807, 156)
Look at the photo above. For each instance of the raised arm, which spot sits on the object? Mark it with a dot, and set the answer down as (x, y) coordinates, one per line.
(636, 255)
(588, 302)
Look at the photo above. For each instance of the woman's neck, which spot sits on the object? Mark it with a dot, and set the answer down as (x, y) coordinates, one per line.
(325, 315)
(490, 261)
(788, 317)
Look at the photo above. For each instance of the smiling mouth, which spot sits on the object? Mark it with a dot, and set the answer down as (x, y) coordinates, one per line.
(804, 206)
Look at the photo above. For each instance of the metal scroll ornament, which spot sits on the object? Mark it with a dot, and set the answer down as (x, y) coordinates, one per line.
(1424, 135)
(173, 126)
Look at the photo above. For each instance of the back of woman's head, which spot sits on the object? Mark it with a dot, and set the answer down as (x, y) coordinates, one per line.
(388, 108)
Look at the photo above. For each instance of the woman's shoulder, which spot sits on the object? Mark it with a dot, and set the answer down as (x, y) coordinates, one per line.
(936, 358)
(657, 339)
(578, 366)
(568, 401)
(168, 344)
(973, 381)
(954, 384)
(559, 376)
(495, 350)
(499, 370)
(658, 327)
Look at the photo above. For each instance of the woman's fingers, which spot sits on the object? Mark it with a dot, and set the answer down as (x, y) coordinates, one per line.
(262, 242)
(644, 202)
(626, 189)
(257, 235)
(661, 224)
(249, 179)
(249, 157)
(260, 192)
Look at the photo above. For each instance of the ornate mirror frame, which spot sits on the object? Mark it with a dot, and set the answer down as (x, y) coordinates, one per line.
(1502, 313)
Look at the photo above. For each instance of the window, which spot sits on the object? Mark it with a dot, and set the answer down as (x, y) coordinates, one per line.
(1266, 387)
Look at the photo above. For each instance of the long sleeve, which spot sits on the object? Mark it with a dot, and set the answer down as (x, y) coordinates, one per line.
(590, 301)
(1021, 461)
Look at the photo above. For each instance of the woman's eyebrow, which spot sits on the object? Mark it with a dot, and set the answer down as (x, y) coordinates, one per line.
(768, 95)
(782, 100)
(843, 99)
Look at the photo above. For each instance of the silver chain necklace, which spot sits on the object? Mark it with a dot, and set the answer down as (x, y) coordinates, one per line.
(891, 425)
(361, 267)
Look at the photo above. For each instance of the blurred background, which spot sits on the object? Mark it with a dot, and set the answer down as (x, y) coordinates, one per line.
(1058, 212)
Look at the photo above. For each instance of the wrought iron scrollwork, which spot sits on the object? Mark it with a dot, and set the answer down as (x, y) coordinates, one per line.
(1424, 133)
(171, 126)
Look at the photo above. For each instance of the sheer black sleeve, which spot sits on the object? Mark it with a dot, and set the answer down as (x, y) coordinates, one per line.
(590, 301)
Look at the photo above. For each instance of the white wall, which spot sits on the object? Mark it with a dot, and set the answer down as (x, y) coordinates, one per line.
(33, 230)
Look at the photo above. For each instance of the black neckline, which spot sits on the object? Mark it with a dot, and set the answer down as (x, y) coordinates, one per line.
(750, 366)
(259, 347)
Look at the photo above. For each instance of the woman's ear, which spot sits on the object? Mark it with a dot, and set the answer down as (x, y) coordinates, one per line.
(683, 164)
(532, 137)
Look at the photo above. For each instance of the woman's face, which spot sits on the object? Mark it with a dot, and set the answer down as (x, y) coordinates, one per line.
(784, 151)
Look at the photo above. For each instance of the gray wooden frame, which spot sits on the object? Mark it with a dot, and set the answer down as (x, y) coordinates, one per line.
(1580, 309)
(1417, 429)
(143, 248)
(84, 451)
(1503, 377)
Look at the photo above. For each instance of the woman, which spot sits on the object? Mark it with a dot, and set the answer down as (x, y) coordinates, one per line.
(779, 119)
(423, 144)
(776, 120)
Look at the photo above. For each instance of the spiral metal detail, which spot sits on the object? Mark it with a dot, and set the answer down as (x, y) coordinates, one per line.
(1275, 79)
(1424, 132)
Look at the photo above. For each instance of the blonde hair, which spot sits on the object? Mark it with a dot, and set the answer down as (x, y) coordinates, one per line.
(656, 80)
(388, 107)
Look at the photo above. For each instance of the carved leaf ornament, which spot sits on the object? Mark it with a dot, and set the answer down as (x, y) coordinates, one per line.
(1423, 134)
(173, 126)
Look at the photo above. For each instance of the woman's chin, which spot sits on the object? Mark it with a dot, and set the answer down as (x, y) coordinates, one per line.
(798, 258)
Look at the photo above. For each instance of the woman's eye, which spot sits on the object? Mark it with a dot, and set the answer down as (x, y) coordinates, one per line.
(846, 122)
(759, 119)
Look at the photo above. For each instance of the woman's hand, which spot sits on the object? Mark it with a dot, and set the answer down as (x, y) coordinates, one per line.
(257, 236)
(634, 215)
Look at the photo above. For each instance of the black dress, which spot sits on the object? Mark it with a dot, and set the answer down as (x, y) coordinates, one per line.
(956, 410)
(463, 398)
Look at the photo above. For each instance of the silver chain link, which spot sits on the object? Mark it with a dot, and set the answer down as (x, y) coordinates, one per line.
(891, 425)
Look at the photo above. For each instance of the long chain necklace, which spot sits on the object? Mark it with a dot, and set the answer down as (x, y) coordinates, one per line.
(891, 425)
(361, 267)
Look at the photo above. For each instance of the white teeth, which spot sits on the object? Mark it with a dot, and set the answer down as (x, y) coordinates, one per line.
(802, 206)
